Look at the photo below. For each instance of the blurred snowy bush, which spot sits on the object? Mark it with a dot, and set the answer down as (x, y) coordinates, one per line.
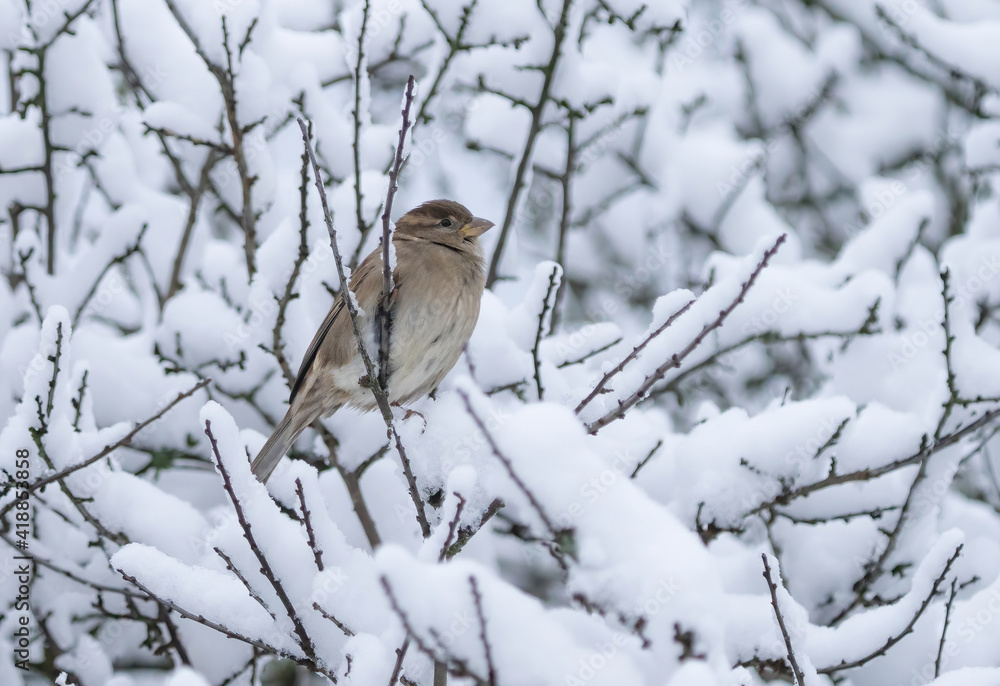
(743, 302)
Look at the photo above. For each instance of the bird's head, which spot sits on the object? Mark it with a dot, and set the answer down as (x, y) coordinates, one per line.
(445, 222)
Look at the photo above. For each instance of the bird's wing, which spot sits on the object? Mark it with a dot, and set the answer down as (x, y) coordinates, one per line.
(336, 332)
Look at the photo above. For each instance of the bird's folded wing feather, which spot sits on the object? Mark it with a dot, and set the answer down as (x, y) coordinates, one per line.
(336, 333)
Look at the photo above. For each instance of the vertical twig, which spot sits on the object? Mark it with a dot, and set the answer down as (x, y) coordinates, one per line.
(307, 518)
(400, 656)
(383, 315)
(452, 526)
(195, 198)
(505, 461)
(478, 600)
(559, 35)
(359, 69)
(345, 292)
(304, 641)
(566, 210)
(944, 629)
(949, 338)
(773, 588)
(548, 305)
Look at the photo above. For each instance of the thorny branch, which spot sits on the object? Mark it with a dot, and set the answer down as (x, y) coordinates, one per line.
(123, 441)
(677, 358)
(383, 315)
(772, 587)
(545, 318)
(559, 36)
(381, 398)
(304, 640)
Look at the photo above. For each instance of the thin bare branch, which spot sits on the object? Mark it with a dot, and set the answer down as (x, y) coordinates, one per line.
(677, 358)
(383, 316)
(772, 587)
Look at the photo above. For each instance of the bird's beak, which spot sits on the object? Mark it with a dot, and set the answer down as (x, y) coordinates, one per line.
(477, 227)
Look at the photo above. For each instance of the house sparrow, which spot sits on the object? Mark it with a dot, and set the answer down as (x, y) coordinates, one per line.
(439, 280)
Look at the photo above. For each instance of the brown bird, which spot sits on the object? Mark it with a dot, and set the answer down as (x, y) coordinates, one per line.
(439, 279)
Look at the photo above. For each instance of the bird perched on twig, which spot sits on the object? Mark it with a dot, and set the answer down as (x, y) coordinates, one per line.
(439, 279)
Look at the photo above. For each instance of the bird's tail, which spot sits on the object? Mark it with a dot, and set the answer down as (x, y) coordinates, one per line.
(276, 446)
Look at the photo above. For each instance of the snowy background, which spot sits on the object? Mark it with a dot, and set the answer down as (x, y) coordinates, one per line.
(679, 449)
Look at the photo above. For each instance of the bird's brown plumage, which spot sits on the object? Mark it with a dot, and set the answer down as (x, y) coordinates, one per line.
(439, 279)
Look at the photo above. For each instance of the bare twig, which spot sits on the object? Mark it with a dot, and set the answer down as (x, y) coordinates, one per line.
(478, 601)
(677, 358)
(875, 569)
(452, 526)
(773, 588)
(549, 70)
(195, 203)
(359, 68)
(505, 461)
(617, 369)
(226, 631)
(646, 459)
(226, 79)
(326, 615)
(117, 259)
(123, 441)
(383, 315)
(304, 640)
(893, 640)
(944, 628)
(548, 306)
(400, 656)
(381, 399)
(467, 532)
(352, 484)
(926, 448)
(583, 358)
(307, 518)
(246, 584)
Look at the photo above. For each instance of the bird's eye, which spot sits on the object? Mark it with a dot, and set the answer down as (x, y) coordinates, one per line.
(446, 223)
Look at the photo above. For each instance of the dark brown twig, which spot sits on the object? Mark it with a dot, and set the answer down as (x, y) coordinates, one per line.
(773, 588)
(326, 615)
(400, 656)
(617, 369)
(944, 628)
(363, 226)
(246, 584)
(226, 631)
(477, 599)
(307, 518)
(505, 461)
(548, 306)
(677, 358)
(549, 70)
(304, 640)
(124, 441)
(452, 526)
(893, 640)
(383, 315)
(381, 399)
